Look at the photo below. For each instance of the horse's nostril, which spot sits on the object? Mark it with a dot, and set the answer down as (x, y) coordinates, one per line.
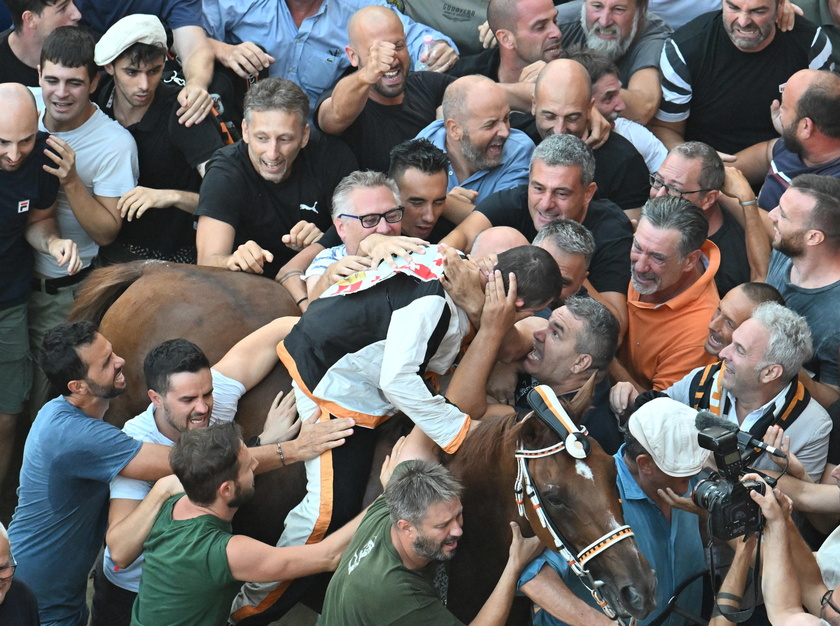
(632, 597)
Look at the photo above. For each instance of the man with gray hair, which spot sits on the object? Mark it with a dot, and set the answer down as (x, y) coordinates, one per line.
(695, 172)
(672, 294)
(269, 194)
(18, 604)
(363, 203)
(409, 532)
(573, 247)
(561, 186)
(755, 386)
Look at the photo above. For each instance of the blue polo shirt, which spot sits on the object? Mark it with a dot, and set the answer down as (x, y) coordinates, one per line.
(512, 172)
(673, 549)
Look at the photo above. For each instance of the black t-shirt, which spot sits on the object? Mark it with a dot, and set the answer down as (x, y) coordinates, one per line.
(613, 234)
(486, 63)
(734, 267)
(29, 188)
(12, 69)
(379, 127)
(620, 171)
(20, 607)
(233, 192)
(731, 91)
(167, 154)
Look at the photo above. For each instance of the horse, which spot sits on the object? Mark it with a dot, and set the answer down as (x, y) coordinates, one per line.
(579, 496)
(140, 304)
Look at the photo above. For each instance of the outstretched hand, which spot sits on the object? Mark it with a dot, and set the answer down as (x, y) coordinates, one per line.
(522, 550)
(316, 437)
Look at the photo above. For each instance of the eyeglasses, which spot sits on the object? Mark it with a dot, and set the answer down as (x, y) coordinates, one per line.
(657, 183)
(371, 220)
(826, 599)
(11, 567)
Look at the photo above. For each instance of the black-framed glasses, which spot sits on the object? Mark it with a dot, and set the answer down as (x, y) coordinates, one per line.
(657, 183)
(371, 220)
(6, 572)
(826, 599)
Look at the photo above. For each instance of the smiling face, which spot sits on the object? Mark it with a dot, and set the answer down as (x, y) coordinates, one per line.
(562, 110)
(105, 378)
(750, 24)
(655, 263)
(18, 127)
(366, 200)
(274, 140)
(734, 309)
(486, 129)
(382, 27)
(436, 538)
(743, 356)
(536, 36)
(66, 92)
(557, 192)
(424, 198)
(186, 405)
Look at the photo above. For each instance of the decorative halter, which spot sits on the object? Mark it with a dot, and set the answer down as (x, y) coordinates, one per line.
(575, 442)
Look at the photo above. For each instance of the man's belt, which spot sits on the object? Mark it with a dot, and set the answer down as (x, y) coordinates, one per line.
(50, 286)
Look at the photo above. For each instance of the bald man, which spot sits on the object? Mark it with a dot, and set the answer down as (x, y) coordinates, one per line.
(485, 154)
(563, 103)
(497, 239)
(384, 102)
(27, 218)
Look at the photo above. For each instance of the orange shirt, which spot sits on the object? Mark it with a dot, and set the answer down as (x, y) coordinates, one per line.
(665, 341)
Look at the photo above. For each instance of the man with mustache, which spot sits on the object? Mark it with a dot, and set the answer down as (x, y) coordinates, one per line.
(672, 293)
(736, 55)
(630, 36)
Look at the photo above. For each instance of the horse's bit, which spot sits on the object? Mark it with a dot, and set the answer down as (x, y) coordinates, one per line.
(573, 440)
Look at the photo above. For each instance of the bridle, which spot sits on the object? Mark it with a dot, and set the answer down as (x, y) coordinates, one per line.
(574, 441)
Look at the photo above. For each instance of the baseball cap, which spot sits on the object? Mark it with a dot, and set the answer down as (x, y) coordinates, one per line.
(131, 29)
(665, 428)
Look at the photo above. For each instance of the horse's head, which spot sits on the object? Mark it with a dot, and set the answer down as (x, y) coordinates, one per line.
(580, 497)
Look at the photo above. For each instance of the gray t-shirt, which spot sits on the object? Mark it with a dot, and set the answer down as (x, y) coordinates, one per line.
(459, 19)
(821, 307)
(643, 52)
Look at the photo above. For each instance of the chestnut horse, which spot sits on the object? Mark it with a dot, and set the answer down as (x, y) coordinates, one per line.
(140, 304)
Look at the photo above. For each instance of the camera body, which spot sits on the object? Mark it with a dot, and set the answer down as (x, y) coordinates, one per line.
(732, 512)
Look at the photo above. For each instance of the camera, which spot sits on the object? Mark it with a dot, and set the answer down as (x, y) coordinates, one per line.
(732, 512)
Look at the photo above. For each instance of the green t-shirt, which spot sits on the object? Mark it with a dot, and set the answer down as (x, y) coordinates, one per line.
(186, 577)
(372, 586)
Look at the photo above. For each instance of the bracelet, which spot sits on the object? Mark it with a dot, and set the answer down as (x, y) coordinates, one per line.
(288, 275)
(282, 456)
(753, 202)
(301, 300)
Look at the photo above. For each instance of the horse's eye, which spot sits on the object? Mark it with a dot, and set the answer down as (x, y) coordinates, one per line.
(554, 499)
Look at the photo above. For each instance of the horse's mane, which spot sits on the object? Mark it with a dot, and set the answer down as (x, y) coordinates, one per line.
(96, 296)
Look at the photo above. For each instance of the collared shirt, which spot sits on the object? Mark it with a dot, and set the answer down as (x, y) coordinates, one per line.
(312, 55)
(808, 434)
(674, 549)
(665, 341)
(512, 172)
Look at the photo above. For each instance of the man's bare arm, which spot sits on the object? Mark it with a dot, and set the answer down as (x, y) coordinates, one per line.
(642, 95)
(670, 133)
(464, 235)
(549, 591)
(150, 463)
(214, 240)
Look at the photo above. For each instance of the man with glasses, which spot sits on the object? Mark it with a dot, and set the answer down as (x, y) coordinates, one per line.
(269, 195)
(18, 605)
(694, 171)
(363, 203)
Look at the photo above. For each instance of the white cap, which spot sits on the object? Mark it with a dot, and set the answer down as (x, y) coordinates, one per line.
(665, 428)
(131, 29)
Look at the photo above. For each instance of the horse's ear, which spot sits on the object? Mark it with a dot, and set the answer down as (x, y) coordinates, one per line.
(531, 430)
(583, 398)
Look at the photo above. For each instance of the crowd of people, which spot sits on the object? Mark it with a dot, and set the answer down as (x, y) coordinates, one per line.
(633, 202)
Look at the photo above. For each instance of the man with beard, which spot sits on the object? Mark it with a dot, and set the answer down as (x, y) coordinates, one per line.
(187, 394)
(810, 137)
(736, 55)
(383, 103)
(485, 154)
(269, 194)
(804, 264)
(193, 563)
(672, 293)
(629, 35)
(526, 33)
(393, 572)
(71, 457)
